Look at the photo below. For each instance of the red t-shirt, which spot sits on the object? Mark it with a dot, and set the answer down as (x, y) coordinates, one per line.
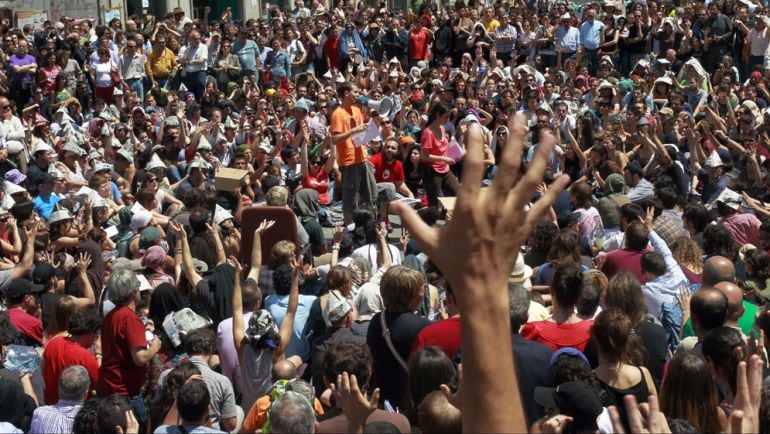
(319, 183)
(61, 353)
(443, 334)
(624, 259)
(122, 331)
(559, 335)
(435, 146)
(331, 53)
(387, 172)
(27, 324)
(418, 45)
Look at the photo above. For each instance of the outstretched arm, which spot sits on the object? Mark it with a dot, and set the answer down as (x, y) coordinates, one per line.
(256, 249)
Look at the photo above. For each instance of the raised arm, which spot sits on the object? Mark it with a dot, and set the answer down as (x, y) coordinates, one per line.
(187, 262)
(287, 326)
(237, 305)
(477, 252)
(256, 249)
(220, 249)
(82, 265)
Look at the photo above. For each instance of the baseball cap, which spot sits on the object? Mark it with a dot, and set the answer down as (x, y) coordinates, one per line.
(42, 273)
(576, 399)
(566, 218)
(20, 287)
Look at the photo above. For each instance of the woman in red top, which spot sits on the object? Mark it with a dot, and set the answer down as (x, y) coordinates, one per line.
(564, 328)
(316, 170)
(330, 48)
(434, 145)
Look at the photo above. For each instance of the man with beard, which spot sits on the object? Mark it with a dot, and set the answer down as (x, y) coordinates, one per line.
(389, 175)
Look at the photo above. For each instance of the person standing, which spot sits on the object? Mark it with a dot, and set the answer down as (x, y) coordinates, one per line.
(358, 185)
(194, 60)
(160, 63)
(718, 30)
(591, 38)
(247, 52)
(126, 350)
(131, 68)
(23, 70)
(434, 146)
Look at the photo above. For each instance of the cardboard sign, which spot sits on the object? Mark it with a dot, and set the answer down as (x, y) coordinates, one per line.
(228, 179)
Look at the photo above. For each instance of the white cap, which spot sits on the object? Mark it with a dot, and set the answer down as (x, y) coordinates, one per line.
(221, 214)
(729, 198)
(140, 220)
(58, 216)
(714, 160)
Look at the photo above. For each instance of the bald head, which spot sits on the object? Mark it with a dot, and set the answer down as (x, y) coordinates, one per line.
(734, 296)
(284, 370)
(718, 269)
(708, 308)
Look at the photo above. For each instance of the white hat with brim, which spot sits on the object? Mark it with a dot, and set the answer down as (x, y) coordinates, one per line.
(714, 160)
(140, 220)
(521, 271)
(60, 216)
(41, 146)
(729, 198)
(155, 163)
(221, 215)
(11, 188)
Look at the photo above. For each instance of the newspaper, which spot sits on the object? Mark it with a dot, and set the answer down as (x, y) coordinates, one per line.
(177, 324)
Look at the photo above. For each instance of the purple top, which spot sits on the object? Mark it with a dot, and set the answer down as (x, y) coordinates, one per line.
(18, 78)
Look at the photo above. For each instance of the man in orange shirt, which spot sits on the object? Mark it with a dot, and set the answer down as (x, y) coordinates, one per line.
(359, 190)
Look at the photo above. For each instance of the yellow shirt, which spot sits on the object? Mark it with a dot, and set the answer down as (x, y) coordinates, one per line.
(491, 26)
(161, 65)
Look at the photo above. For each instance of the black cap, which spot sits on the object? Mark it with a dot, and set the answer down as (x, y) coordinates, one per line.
(42, 273)
(576, 399)
(566, 218)
(21, 287)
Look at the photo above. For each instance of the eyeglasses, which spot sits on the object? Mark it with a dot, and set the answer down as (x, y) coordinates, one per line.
(152, 180)
(316, 163)
(7, 106)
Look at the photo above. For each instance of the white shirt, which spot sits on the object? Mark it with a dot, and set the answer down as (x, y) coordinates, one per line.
(194, 54)
(369, 252)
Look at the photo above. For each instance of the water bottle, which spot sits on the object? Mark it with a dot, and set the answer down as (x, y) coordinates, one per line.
(21, 358)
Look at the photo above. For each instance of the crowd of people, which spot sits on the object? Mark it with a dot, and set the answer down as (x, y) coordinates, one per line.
(505, 217)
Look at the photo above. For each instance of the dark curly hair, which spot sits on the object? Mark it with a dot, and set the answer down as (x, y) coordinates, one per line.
(543, 235)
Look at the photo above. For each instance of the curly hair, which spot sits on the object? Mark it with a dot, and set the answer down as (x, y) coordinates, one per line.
(542, 237)
(688, 253)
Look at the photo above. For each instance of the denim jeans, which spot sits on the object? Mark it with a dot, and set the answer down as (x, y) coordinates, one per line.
(137, 86)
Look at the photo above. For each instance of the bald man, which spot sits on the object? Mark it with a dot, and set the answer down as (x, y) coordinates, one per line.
(716, 270)
(708, 310)
(735, 307)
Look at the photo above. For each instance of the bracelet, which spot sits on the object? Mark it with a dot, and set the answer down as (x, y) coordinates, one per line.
(335, 247)
(177, 251)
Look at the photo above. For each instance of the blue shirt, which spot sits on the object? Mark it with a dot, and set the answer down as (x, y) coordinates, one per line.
(590, 34)
(277, 306)
(45, 207)
(568, 40)
(247, 54)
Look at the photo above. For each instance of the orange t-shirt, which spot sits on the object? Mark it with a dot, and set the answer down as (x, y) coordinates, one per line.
(342, 122)
(258, 413)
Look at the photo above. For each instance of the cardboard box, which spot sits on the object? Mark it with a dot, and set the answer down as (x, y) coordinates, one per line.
(448, 202)
(228, 179)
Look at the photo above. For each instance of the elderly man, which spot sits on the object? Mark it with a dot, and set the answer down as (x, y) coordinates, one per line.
(125, 348)
(74, 385)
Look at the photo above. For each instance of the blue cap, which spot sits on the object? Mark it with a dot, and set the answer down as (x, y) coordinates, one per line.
(568, 351)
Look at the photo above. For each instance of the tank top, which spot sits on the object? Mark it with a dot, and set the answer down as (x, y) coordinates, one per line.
(614, 396)
(257, 369)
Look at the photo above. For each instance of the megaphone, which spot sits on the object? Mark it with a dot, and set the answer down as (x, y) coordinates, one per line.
(382, 106)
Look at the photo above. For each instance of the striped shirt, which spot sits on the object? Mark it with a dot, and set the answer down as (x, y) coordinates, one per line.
(57, 418)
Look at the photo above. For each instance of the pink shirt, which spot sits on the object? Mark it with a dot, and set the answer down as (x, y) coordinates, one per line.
(744, 227)
(435, 146)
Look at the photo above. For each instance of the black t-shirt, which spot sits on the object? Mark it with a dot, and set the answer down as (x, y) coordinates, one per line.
(387, 373)
(638, 46)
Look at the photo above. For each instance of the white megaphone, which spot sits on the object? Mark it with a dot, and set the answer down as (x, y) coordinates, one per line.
(382, 106)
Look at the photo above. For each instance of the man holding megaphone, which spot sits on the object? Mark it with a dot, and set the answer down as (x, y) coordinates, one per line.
(359, 189)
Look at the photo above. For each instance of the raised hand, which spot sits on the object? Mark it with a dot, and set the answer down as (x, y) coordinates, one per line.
(264, 226)
(642, 418)
(339, 231)
(84, 260)
(353, 403)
